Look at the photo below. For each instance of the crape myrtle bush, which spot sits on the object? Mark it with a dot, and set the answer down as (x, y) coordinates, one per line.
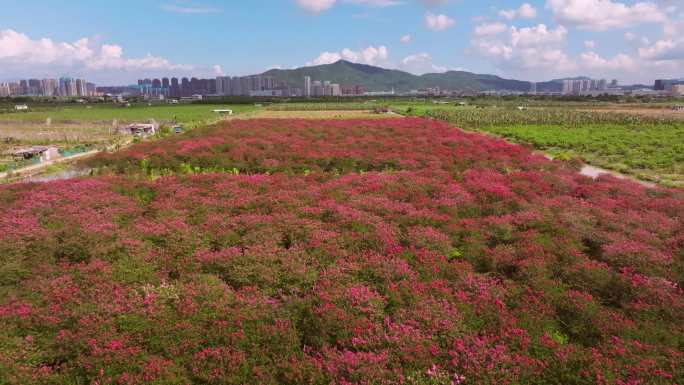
(306, 145)
(513, 271)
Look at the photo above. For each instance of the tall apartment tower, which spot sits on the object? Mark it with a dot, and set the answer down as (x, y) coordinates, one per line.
(307, 86)
(175, 88)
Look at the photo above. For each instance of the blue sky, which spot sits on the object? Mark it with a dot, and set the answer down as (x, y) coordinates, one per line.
(115, 42)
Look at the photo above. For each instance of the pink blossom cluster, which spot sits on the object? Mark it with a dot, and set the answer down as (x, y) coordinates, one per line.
(470, 261)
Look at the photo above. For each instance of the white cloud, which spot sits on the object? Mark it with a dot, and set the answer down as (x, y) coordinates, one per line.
(178, 8)
(325, 58)
(490, 29)
(525, 11)
(316, 6)
(376, 3)
(603, 15)
(420, 63)
(434, 3)
(370, 55)
(405, 39)
(539, 52)
(663, 50)
(534, 36)
(438, 22)
(621, 62)
(218, 71)
(508, 14)
(23, 56)
(524, 49)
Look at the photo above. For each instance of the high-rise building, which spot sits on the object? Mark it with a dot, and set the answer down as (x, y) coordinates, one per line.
(91, 89)
(186, 90)
(81, 87)
(583, 86)
(175, 88)
(34, 87)
(603, 85)
(4, 90)
(194, 86)
(67, 87)
(48, 87)
(307, 86)
(211, 86)
(666, 84)
(223, 85)
(23, 87)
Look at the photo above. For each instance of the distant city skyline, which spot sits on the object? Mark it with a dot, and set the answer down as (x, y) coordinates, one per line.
(633, 41)
(62, 87)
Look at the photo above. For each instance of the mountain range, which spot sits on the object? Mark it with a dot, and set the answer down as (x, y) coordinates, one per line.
(381, 79)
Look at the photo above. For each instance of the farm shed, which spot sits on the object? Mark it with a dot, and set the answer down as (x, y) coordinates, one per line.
(44, 153)
(141, 129)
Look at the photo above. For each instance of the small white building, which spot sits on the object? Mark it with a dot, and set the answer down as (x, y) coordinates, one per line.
(224, 112)
(141, 129)
(192, 98)
(21, 107)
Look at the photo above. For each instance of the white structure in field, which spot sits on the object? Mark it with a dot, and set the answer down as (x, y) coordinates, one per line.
(141, 129)
(224, 112)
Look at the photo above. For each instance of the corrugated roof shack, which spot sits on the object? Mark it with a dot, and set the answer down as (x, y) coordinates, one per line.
(42, 153)
(141, 129)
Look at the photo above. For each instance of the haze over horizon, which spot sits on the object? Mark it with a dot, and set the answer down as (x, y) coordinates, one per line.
(536, 40)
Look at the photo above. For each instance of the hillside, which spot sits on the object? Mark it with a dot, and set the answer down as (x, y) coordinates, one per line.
(380, 79)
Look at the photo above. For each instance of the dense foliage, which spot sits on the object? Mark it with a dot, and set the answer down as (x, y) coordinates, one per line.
(427, 256)
(482, 118)
(655, 153)
(337, 146)
(649, 147)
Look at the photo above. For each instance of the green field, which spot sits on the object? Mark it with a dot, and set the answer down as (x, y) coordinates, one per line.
(649, 146)
(77, 125)
(188, 113)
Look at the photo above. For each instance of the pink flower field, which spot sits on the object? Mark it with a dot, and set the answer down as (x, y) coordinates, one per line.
(398, 251)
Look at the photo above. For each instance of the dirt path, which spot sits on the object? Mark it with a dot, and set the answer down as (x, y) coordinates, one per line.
(35, 169)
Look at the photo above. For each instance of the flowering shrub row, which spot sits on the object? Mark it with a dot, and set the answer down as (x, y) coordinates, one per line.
(338, 146)
(515, 270)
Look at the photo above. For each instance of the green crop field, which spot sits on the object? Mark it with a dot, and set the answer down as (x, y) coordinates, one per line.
(650, 152)
(646, 145)
(188, 113)
(76, 125)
